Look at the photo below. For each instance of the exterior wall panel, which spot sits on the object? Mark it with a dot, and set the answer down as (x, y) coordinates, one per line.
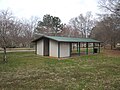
(64, 49)
(53, 48)
(40, 47)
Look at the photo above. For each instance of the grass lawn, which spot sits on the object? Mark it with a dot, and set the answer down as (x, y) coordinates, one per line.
(27, 71)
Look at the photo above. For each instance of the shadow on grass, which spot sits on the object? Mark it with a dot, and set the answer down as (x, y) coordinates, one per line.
(3, 62)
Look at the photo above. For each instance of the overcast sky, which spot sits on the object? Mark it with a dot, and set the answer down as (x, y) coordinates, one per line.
(64, 9)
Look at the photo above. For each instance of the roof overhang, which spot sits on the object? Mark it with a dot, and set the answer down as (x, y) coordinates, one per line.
(67, 39)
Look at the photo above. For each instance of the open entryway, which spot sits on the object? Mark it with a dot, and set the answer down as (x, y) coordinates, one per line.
(84, 48)
(46, 47)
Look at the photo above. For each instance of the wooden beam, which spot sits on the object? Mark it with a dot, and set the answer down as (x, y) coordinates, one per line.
(86, 48)
(99, 47)
(43, 46)
(58, 49)
(70, 48)
(93, 47)
(79, 49)
(35, 47)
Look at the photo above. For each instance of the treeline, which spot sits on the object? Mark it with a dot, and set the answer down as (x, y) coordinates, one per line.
(16, 32)
(107, 28)
(80, 26)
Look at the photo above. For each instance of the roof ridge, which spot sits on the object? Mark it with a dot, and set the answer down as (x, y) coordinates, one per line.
(68, 39)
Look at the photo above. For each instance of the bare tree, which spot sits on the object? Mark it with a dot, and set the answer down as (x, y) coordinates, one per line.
(27, 34)
(107, 30)
(112, 6)
(14, 32)
(68, 31)
(6, 18)
(83, 24)
(28, 27)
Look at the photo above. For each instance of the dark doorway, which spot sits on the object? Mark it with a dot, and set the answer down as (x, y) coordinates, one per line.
(46, 47)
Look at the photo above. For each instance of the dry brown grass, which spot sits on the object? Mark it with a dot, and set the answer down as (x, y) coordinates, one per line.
(113, 53)
(27, 71)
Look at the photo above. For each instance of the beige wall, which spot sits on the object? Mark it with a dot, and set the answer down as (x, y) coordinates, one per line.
(40, 47)
(64, 49)
(53, 48)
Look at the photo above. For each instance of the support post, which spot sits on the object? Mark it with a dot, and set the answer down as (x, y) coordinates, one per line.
(43, 46)
(58, 49)
(70, 48)
(35, 47)
(99, 47)
(5, 54)
(86, 48)
(79, 49)
(93, 47)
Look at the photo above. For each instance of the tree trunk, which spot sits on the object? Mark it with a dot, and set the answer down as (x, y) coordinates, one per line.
(114, 44)
(111, 46)
(5, 55)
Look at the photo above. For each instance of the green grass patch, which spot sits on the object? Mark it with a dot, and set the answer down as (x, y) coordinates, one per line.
(25, 70)
(83, 50)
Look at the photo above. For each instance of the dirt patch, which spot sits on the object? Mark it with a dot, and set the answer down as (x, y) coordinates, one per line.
(1, 49)
(115, 53)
